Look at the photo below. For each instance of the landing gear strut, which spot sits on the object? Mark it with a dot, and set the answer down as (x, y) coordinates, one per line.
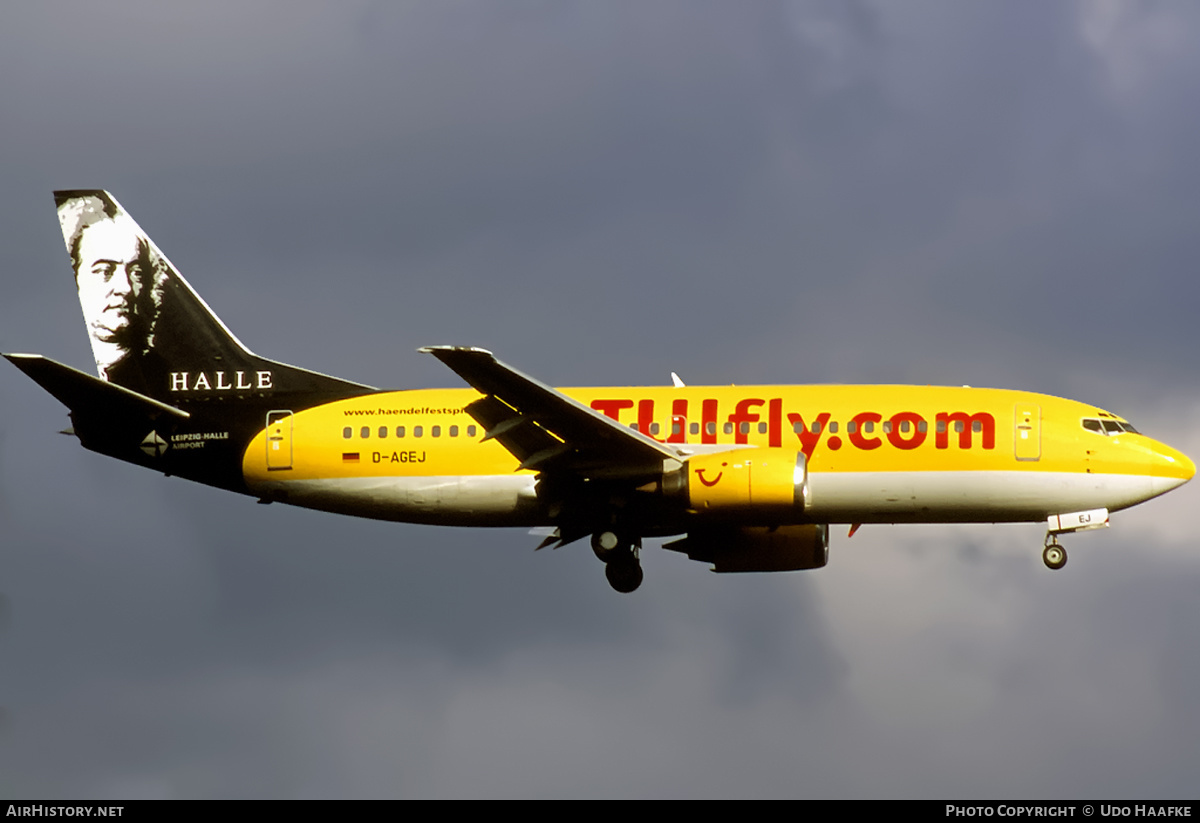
(620, 556)
(1054, 555)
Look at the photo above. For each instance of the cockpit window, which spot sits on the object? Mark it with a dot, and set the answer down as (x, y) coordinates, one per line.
(1108, 426)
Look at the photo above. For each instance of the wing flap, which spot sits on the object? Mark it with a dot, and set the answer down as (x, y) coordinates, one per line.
(519, 433)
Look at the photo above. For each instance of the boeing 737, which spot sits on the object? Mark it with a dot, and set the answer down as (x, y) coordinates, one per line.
(747, 478)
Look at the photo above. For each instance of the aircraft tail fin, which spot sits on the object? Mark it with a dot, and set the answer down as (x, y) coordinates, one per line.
(150, 332)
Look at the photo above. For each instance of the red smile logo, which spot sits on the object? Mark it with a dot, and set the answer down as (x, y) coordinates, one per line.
(715, 480)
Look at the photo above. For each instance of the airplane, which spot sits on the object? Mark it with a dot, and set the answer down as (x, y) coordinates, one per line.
(746, 478)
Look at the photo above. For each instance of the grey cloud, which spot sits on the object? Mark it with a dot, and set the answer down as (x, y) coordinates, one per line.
(773, 193)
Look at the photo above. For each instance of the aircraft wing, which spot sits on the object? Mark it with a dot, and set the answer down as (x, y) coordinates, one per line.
(545, 429)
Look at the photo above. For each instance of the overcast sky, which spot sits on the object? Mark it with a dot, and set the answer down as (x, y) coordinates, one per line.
(930, 192)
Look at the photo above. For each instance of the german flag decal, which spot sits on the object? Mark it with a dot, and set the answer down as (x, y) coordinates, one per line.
(349, 457)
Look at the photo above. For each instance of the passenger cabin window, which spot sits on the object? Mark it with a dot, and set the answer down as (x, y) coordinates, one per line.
(383, 431)
(436, 431)
(418, 431)
(399, 431)
(470, 431)
(654, 428)
(365, 432)
(454, 431)
(347, 432)
(694, 428)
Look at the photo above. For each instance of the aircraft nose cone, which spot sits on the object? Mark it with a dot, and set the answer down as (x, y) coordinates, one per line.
(1189, 468)
(1174, 468)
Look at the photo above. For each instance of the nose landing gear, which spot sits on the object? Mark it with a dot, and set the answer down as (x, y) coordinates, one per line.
(1054, 555)
(619, 554)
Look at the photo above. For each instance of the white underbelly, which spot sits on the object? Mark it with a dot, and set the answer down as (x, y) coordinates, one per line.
(472, 500)
(967, 496)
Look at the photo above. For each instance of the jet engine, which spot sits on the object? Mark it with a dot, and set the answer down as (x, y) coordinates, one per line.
(775, 479)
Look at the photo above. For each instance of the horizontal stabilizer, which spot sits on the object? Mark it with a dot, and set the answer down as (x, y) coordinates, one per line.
(81, 392)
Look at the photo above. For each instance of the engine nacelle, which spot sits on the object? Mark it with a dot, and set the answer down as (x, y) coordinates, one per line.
(757, 548)
(747, 478)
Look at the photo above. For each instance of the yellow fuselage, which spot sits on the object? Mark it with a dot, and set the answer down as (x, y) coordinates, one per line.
(873, 453)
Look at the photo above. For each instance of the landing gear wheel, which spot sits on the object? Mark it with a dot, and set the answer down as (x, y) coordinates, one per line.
(624, 575)
(606, 545)
(1054, 556)
(619, 554)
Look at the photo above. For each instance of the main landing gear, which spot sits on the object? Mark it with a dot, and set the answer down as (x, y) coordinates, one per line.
(620, 557)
